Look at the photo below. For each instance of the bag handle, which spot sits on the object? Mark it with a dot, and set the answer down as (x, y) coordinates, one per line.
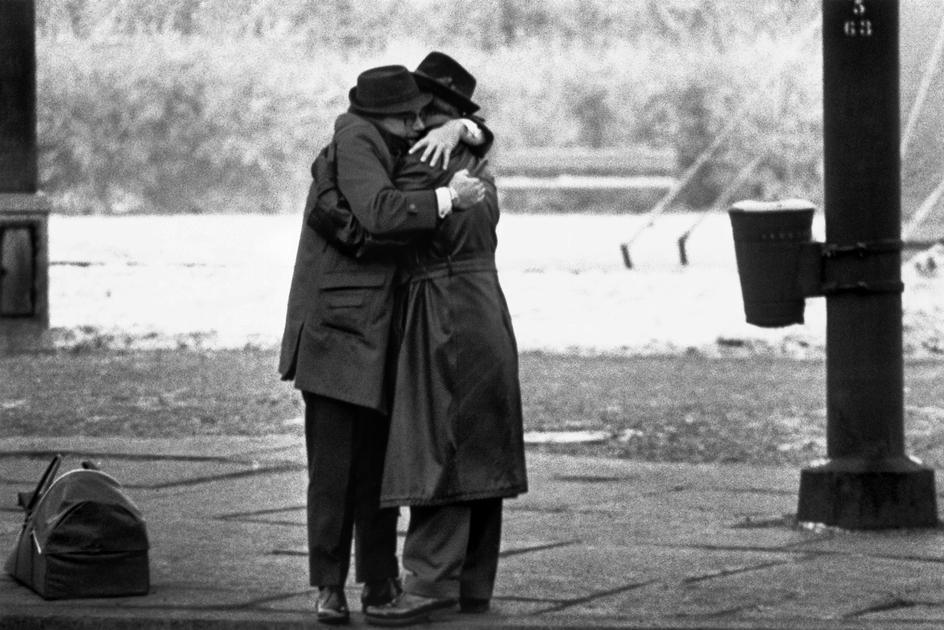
(27, 500)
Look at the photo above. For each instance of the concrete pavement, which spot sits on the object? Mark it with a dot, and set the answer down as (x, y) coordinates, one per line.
(595, 543)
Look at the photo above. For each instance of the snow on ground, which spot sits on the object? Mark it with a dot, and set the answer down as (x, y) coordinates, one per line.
(222, 281)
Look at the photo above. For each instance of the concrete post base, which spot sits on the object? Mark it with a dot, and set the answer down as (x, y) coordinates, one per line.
(859, 493)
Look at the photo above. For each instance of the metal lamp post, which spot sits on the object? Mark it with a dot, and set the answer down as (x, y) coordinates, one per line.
(867, 480)
(24, 213)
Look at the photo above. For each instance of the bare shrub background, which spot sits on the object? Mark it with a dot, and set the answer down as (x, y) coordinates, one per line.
(193, 106)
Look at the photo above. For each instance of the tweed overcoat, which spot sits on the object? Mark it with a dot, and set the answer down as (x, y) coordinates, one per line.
(338, 322)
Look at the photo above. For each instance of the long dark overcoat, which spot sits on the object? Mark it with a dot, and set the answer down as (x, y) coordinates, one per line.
(456, 428)
(337, 328)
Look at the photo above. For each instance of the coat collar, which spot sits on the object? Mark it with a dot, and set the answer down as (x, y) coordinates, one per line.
(396, 145)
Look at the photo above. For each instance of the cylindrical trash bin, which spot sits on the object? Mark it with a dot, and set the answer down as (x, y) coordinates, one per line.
(768, 236)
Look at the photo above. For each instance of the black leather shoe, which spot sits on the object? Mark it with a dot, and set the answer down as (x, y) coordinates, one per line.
(406, 610)
(332, 605)
(380, 592)
(474, 605)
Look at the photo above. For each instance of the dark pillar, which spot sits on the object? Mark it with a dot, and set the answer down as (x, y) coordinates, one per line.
(867, 481)
(17, 97)
(24, 312)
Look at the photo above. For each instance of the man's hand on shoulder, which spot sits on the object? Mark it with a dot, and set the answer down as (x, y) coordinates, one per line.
(442, 141)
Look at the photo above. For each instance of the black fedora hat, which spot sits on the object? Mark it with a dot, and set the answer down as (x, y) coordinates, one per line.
(386, 90)
(441, 75)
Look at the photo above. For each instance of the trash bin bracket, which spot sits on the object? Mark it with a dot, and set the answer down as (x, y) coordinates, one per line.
(865, 267)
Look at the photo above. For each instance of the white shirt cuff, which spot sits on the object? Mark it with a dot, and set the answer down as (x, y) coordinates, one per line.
(444, 201)
(474, 133)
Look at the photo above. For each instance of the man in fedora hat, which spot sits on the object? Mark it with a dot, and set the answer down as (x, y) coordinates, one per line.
(336, 342)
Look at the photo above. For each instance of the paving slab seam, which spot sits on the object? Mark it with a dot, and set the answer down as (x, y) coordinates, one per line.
(595, 478)
(577, 601)
(796, 549)
(239, 474)
(723, 573)
(566, 510)
(525, 600)
(242, 516)
(894, 602)
(883, 556)
(260, 521)
(780, 550)
(735, 491)
(786, 521)
(514, 551)
(772, 492)
(518, 507)
(268, 450)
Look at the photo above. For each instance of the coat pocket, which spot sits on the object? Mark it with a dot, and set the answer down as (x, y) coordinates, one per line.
(347, 300)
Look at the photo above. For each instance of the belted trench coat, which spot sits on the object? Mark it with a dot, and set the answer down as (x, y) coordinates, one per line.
(456, 424)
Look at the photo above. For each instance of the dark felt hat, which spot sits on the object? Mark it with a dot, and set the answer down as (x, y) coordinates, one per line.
(442, 76)
(387, 90)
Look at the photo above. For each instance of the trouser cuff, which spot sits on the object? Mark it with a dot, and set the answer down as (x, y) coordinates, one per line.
(443, 589)
(476, 592)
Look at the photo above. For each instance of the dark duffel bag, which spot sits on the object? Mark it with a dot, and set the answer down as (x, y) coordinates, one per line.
(83, 537)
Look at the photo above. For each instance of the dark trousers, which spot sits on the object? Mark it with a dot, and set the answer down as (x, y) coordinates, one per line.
(452, 550)
(346, 445)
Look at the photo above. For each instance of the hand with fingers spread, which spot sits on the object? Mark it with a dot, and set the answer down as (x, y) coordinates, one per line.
(440, 142)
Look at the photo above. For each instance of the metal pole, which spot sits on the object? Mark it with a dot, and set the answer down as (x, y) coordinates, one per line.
(24, 213)
(867, 481)
(18, 168)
